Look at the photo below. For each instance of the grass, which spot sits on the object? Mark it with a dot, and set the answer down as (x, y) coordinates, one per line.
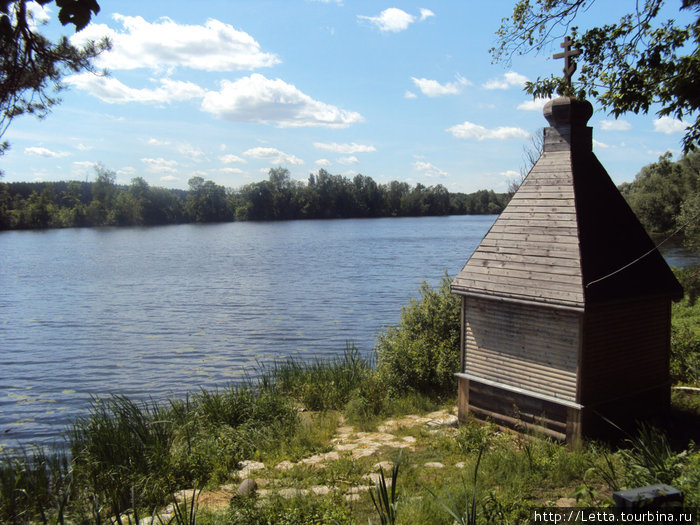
(515, 472)
(128, 459)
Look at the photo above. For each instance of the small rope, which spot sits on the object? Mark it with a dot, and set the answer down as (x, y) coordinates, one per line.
(646, 254)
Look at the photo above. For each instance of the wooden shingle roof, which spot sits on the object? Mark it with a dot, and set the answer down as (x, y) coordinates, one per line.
(567, 232)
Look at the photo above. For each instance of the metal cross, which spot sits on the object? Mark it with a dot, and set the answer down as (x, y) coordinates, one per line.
(569, 65)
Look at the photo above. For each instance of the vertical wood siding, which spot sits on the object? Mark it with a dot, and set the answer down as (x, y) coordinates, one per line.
(523, 346)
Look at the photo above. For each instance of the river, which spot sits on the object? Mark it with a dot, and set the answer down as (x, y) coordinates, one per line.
(157, 312)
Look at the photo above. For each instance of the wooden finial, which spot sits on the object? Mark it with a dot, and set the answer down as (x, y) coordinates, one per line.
(569, 65)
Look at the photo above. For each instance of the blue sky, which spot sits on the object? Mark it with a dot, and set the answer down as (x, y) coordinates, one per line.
(227, 89)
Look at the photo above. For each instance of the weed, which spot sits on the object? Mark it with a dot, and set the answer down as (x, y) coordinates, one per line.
(469, 516)
(385, 502)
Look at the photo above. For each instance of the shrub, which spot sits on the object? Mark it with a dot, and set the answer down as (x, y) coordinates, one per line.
(421, 353)
(685, 355)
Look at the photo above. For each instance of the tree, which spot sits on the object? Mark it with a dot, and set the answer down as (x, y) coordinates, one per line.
(31, 66)
(626, 66)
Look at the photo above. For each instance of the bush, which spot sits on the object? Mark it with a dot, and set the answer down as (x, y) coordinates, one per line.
(685, 355)
(421, 353)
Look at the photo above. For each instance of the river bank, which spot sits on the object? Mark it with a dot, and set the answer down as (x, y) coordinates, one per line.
(311, 435)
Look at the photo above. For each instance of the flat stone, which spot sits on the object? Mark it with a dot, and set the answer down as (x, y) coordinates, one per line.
(185, 494)
(363, 452)
(461, 464)
(445, 420)
(319, 459)
(285, 465)
(398, 444)
(352, 497)
(320, 490)
(409, 439)
(248, 466)
(358, 489)
(434, 464)
(374, 477)
(386, 465)
(292, 493)
(566, 502)
(346, 446)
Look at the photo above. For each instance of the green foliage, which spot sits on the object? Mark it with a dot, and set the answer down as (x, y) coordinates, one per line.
(650, 459)
(685, 355)
(121, 445)
(469, 516)
(626, 66)
(663, 195)
(34, 486)
(421, 353)
(386, 502)
(300, 511)
(321, 385)
(104, 203)
(685, 329)
(31, 66)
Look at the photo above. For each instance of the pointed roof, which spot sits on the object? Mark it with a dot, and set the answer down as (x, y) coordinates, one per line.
(567, 238)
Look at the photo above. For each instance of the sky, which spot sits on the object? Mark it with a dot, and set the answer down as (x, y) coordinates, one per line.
(228, 89)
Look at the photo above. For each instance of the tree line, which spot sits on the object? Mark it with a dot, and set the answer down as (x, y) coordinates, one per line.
(25, 205)
(665, 196)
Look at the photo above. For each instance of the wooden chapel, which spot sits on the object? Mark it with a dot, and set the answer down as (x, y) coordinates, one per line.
(566, 303)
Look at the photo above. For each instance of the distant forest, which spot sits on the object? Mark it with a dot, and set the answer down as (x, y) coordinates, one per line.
(25, 205)
(665, 195)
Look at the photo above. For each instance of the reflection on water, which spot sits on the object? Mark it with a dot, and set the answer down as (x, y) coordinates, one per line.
(157, 312)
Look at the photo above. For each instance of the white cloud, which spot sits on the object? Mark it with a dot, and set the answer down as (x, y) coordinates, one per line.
(510, 174)
(429, 170)
(45, 152)
(160, 165)
(189, 151)
(536, 104)
(615, 125)
(391, 20)
(601, 145)
(230, 159)
(508, 80)
(37, 14)
(258, 99)
(432, 88)
(346, 149)
(425, 13)
(274, 155)
(157, 142)
(83, 168)
(669, 125)
(113, 91)
(214, 46)
(409, 94)
(83, 147)
(126, 171)
(168, 178)
(346, 161)
(469, 130)
(234, 171)
(83, 164)
(323, 162)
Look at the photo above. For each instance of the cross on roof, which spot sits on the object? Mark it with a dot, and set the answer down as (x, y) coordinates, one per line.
(569, 65)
